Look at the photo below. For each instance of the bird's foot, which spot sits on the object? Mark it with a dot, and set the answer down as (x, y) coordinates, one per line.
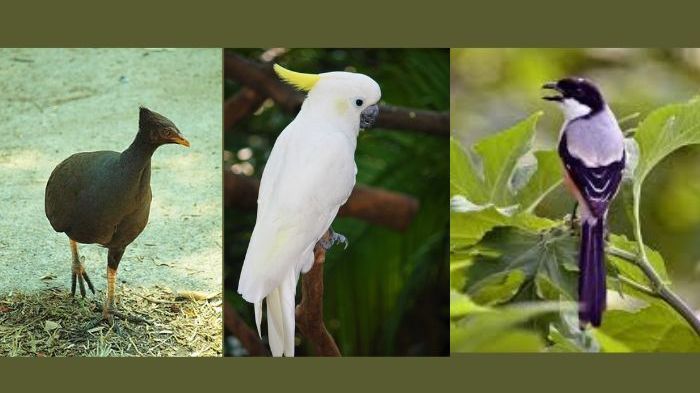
(110, 316)
(332, 239)
(80, 276)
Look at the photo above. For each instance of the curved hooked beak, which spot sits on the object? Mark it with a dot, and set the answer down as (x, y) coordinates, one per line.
(369, 116)
(552, 86)
(180, 140)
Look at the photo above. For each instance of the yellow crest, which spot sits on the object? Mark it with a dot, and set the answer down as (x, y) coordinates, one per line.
(299, 80)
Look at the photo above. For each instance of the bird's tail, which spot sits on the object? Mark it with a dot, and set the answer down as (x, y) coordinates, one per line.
(280, 316)
(591, 284)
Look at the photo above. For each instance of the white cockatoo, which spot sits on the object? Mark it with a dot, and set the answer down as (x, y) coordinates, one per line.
(310, 173)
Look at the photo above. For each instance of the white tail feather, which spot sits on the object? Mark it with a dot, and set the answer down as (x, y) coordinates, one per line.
(258, 316)
(280, 317)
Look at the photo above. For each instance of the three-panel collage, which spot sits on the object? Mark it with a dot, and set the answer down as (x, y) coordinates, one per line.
(282, 202)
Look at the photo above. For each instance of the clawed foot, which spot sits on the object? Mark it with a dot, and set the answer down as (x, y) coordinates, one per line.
(110, 316)
(80, 276)
(334, 238)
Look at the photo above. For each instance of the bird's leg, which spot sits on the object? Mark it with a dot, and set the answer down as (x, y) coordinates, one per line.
(114, 256)
(109, 311)
(79, 274)
(332, 238)
(573, 216)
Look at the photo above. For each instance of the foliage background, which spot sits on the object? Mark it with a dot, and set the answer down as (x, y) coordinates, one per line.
(493, 89)
(386, 293)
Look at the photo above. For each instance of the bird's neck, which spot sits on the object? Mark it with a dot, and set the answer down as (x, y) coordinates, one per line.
(137, 156)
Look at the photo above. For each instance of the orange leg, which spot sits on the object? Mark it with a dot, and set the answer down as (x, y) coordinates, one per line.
(113, 258)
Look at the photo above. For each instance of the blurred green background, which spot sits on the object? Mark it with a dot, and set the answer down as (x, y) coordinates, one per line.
(387, 293)
(492, 89)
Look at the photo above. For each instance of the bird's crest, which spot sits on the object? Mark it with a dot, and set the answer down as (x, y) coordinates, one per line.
(299, 80)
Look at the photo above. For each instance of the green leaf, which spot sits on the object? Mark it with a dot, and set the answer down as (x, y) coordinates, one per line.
(470, 222)
(499, 155)
(664, 131)
(497, 288)
(629, 269)
(461, 305)
(464, 179)
(546, 260)
(655, 328)
(609, 344)
(545, 179)
(497, 330)
(468, 228)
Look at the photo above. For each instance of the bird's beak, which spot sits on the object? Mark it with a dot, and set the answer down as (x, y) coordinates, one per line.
(552, 86)
(369, 116)
(180, 140)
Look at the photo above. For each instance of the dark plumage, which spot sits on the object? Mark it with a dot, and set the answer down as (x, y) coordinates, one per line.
(104, 197)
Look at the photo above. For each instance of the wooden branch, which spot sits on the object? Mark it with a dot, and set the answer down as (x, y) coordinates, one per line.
(376, 206)
(261, 78)
(309, 313)
(241, 105)
(248, 337)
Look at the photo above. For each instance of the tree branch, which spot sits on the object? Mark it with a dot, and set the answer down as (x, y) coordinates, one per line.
(247, 336)
(376, 206)
(241, 105)
(261, 78)
(309, 313)
(658, 288)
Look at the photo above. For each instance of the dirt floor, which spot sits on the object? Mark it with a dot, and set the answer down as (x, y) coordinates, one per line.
(57, 102)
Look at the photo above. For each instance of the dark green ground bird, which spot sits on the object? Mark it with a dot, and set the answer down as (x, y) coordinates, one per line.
(104, 197)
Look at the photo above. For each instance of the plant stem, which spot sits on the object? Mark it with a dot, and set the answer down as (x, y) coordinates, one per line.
(658, 286)
(641, 288)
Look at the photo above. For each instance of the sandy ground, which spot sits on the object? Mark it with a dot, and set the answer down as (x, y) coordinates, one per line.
(56, 102)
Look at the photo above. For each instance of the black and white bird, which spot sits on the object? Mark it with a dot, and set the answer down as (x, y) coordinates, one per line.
(591, 147)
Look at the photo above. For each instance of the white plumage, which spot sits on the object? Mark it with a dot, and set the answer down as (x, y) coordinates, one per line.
(310, 173)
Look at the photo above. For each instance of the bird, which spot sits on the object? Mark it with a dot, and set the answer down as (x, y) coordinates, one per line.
(104, 197)
(592, 151)
(309, 174)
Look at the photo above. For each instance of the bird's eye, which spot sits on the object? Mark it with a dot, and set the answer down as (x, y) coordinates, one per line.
(359, 102)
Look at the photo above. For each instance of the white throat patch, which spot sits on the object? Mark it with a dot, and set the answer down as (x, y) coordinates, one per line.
(573, 109)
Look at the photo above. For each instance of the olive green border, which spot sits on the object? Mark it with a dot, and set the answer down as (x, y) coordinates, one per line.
(356, 23)
(359, 23)
(564, 373)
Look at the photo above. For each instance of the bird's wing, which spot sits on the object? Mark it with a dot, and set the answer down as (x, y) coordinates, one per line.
(597, 185)
(309, 175)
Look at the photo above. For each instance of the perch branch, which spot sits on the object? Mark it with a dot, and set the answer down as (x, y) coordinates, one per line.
(309, 313)
(658, 288)
(247, 336)
(376, 206)
(261, 78)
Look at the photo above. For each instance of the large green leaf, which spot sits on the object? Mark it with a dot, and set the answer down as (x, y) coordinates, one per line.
(499, 156)
(498, 330)
(664, 131)
(464, 179)
(655, 328)
(546, 260)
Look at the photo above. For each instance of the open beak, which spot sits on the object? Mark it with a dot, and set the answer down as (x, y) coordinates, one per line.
(180, 140)
(369, 116)
(552, 86)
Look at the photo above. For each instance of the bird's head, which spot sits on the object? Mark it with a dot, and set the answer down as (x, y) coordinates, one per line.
(350, 96)
(158, 129)
(577, 97)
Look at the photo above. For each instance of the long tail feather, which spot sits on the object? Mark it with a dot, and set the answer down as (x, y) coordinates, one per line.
(591, 285)
(280, 317)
